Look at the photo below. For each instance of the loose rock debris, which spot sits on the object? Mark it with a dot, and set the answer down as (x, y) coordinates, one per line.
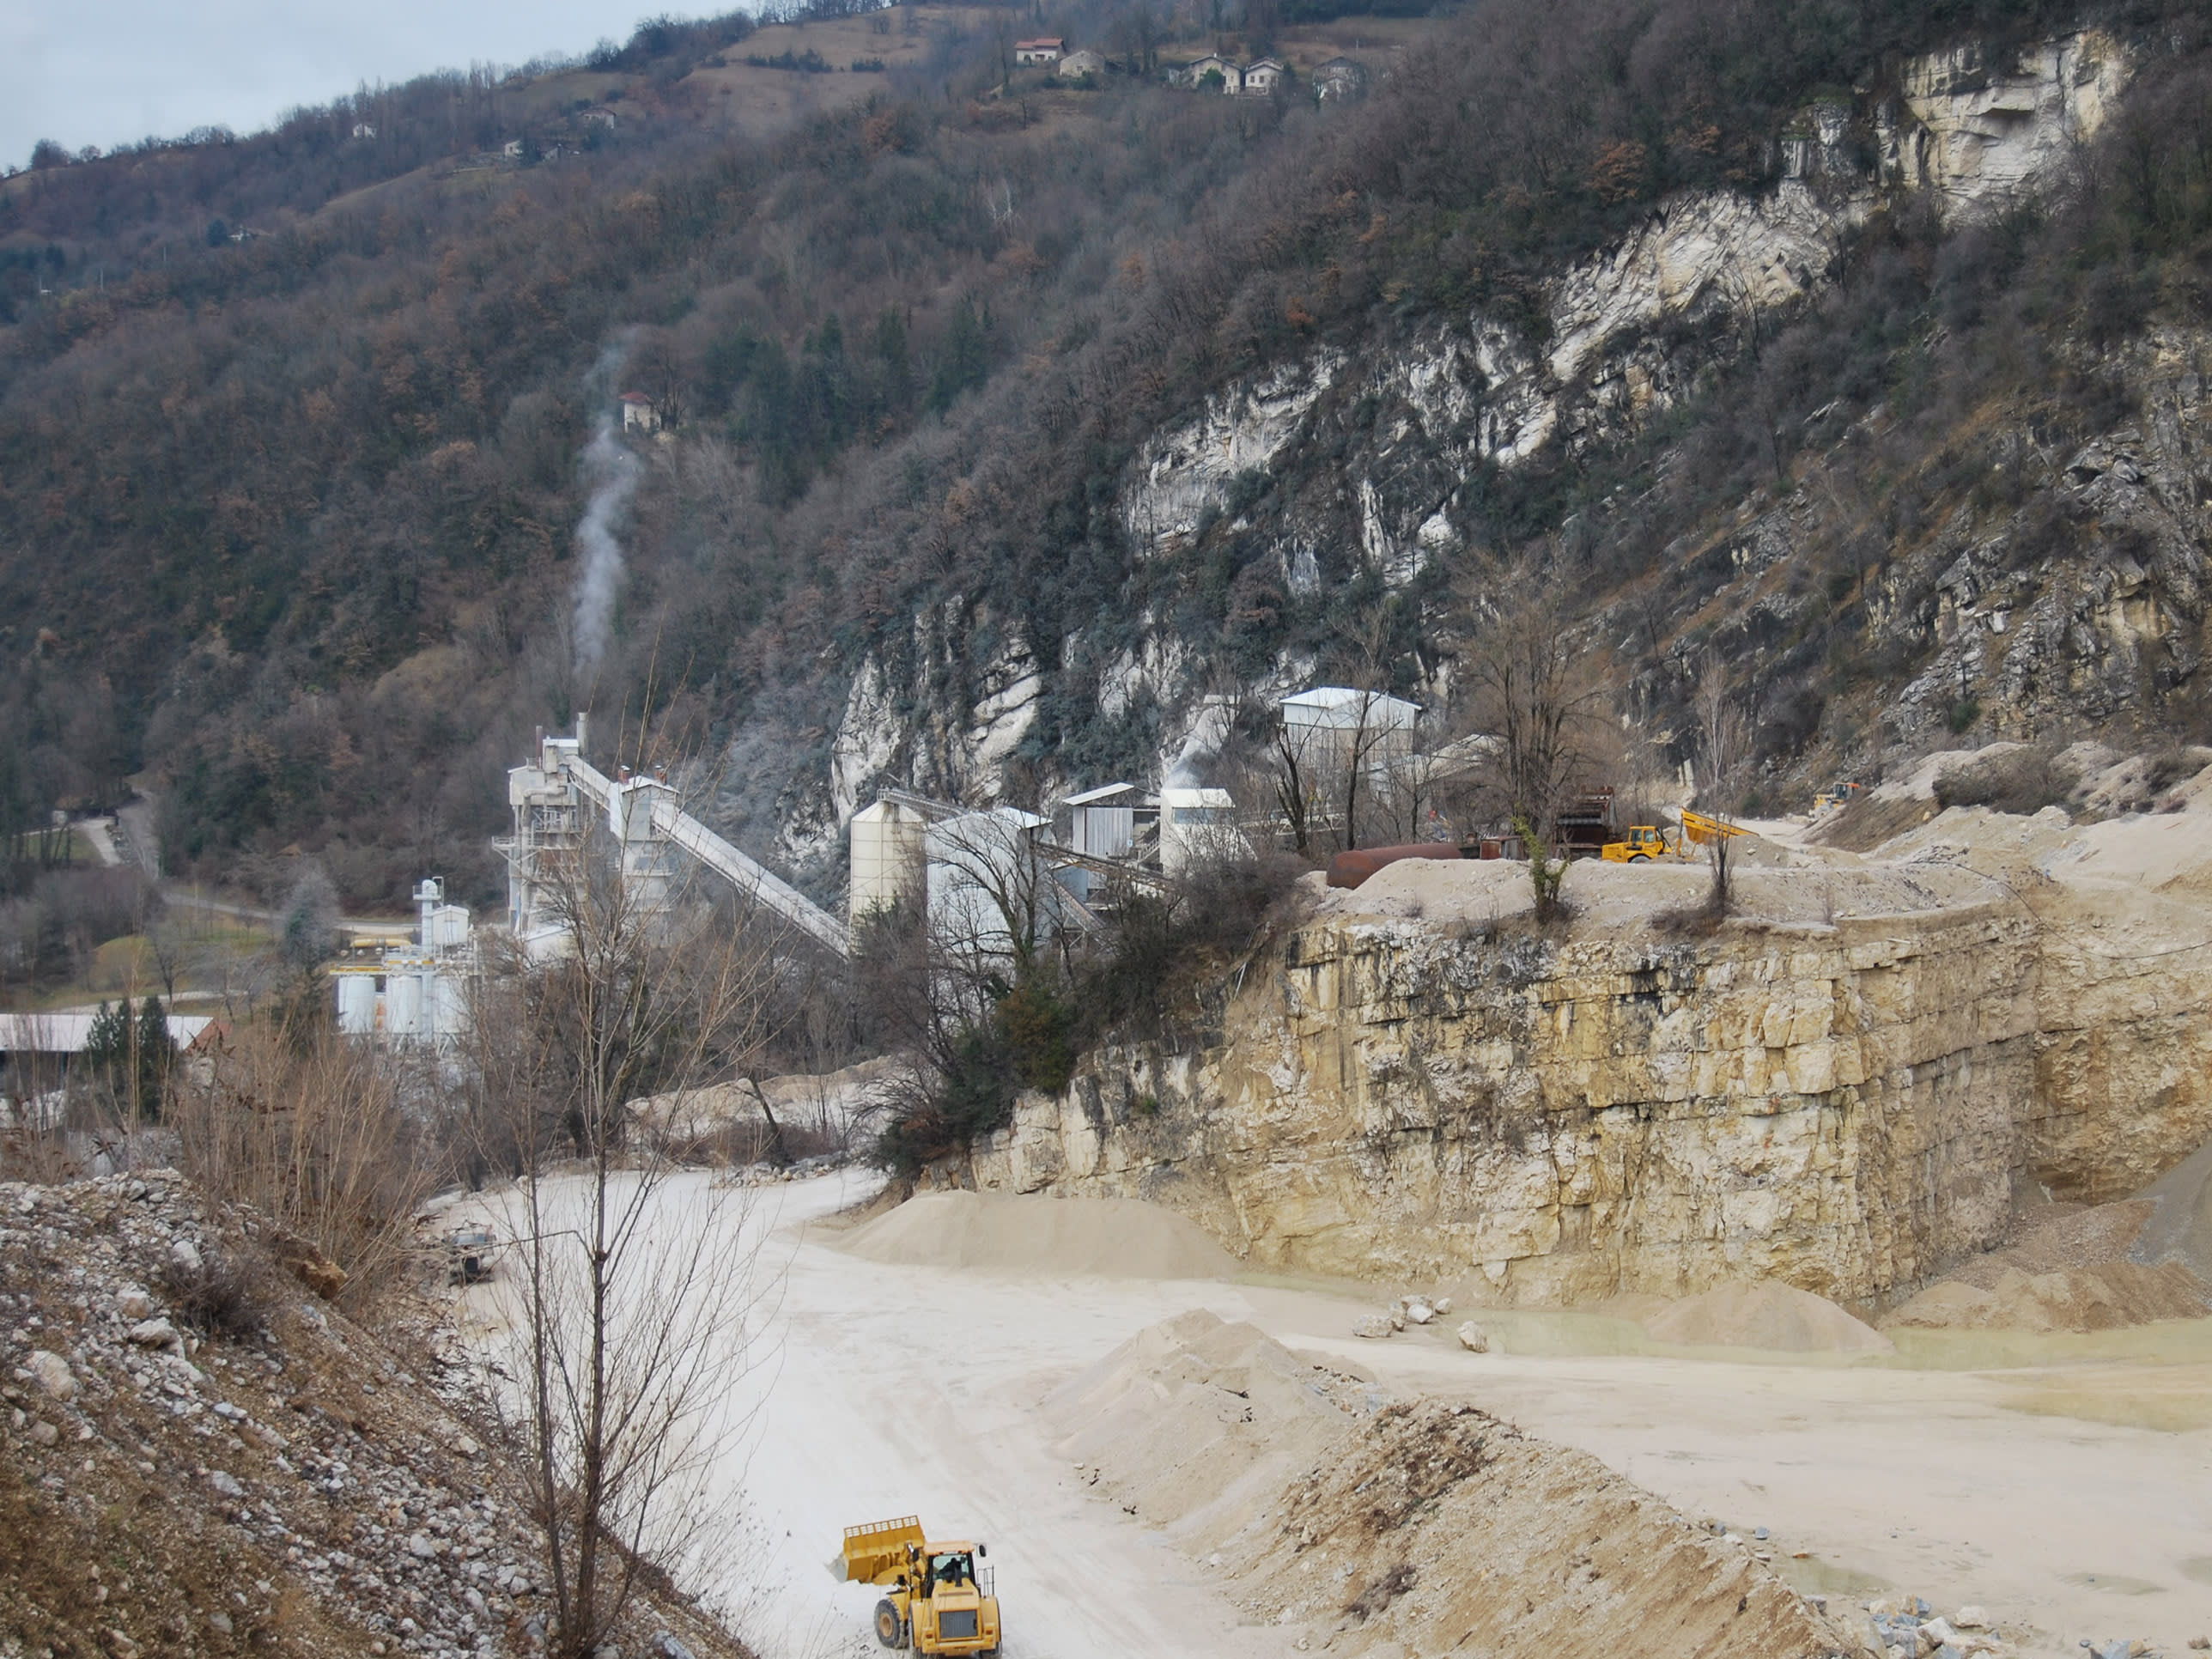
(294, 1491)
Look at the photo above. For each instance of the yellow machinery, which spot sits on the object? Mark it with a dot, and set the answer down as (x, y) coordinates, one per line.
(1643, 840)
(939, 1600)
(1647, 842)
(1702, 829)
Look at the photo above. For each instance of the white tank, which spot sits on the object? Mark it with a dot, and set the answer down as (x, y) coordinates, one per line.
(403, 1005)
(356, 1004)
(888, 858)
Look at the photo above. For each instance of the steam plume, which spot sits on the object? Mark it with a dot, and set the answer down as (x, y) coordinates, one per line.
(611, 473)
(1207, 732)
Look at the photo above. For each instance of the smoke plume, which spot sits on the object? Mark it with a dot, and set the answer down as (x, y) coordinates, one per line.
(611, 473)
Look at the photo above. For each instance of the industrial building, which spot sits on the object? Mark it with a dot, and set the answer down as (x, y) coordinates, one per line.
(554, 797)
(418, 992)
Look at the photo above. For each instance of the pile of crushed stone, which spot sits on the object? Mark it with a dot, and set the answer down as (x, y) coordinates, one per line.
(2102, 1268)
(183, 1470)
(1763, 1314)
(1370, 1525)
(1115, 1236)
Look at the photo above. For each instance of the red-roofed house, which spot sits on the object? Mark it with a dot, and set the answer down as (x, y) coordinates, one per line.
(1045, 49)
(639, 413)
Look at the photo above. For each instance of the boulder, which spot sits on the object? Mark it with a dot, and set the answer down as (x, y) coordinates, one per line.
(1419, 1310)
(1474, 1338)
(152, 1332)
(134, 1303)
(1970, 1618)
(53, 1374)
(1375, 1325)
(1442, 1306)
(224, 1483)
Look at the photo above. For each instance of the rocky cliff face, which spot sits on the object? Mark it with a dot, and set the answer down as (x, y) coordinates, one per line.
(1849, 1101)
(1355, 463)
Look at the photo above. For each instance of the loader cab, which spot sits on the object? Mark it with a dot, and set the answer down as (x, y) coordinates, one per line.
(952, 1568)
(1642, 840)
(952, 1609)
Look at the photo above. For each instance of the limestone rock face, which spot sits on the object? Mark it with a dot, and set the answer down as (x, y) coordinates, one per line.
(1352, 461)
(1978, 128)
(1847, 1107)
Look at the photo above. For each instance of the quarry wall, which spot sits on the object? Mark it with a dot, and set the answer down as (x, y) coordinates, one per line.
(1851, 1106)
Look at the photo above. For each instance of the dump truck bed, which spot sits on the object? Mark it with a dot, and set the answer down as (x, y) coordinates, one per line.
(878, 1548)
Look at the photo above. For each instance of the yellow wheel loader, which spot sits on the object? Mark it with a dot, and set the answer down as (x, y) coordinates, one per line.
(939, 1601)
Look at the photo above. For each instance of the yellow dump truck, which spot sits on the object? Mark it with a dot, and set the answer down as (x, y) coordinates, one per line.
(939, 1601)
(1704, 829)
(1642, 840)
(1646, 842)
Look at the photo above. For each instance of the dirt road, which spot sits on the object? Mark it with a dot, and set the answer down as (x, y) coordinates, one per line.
(902, 1390)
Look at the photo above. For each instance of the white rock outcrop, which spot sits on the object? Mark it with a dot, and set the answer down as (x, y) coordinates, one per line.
(1189, 468)
(1979, 132)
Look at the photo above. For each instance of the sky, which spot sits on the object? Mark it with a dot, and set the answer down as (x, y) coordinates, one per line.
(111, 72)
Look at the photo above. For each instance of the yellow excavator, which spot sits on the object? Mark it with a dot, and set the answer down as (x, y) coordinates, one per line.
(939, 1600)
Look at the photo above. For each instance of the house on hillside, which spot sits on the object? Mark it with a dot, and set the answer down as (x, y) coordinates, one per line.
(363, 129)
(1085, 64)
(598, 116)
(1341, 81)
(1045, 49)
(639, 413)
(1262, 76)
(511, 150)
(1198, 75)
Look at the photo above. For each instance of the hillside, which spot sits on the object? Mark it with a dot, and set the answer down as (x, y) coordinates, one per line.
(1855, 348)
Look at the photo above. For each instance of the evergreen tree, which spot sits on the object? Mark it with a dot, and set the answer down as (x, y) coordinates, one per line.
(105, 1060)
(157, 1054)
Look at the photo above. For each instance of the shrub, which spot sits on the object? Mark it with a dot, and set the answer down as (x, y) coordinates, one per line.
(2021, 781)
(214, 1297)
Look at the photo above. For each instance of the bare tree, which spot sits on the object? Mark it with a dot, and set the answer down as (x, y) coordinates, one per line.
(1534, 691)
(1722, 733)
(1723, 738)
(632, 1327)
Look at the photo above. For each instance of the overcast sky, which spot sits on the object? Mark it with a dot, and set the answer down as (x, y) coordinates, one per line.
(111, 72)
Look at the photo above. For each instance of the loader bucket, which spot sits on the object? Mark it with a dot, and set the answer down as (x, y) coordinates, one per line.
(880, 1548)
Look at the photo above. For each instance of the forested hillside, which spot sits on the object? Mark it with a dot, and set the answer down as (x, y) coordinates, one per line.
(288, 523)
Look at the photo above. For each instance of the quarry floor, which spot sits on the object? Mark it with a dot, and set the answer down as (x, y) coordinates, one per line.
(2014, 1472)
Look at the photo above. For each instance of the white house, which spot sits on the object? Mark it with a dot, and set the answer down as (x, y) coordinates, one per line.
(1262, 76)
(1045, 49)
(363, 129)
(1078, 65)
(639, 413)
(1232, 78)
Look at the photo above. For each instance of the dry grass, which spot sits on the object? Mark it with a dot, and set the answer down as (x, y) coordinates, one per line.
(321, 1142)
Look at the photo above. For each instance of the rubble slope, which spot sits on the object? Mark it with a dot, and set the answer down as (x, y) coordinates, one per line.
(276, 1480)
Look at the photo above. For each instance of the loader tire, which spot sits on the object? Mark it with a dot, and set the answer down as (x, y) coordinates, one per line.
(891, 1629)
